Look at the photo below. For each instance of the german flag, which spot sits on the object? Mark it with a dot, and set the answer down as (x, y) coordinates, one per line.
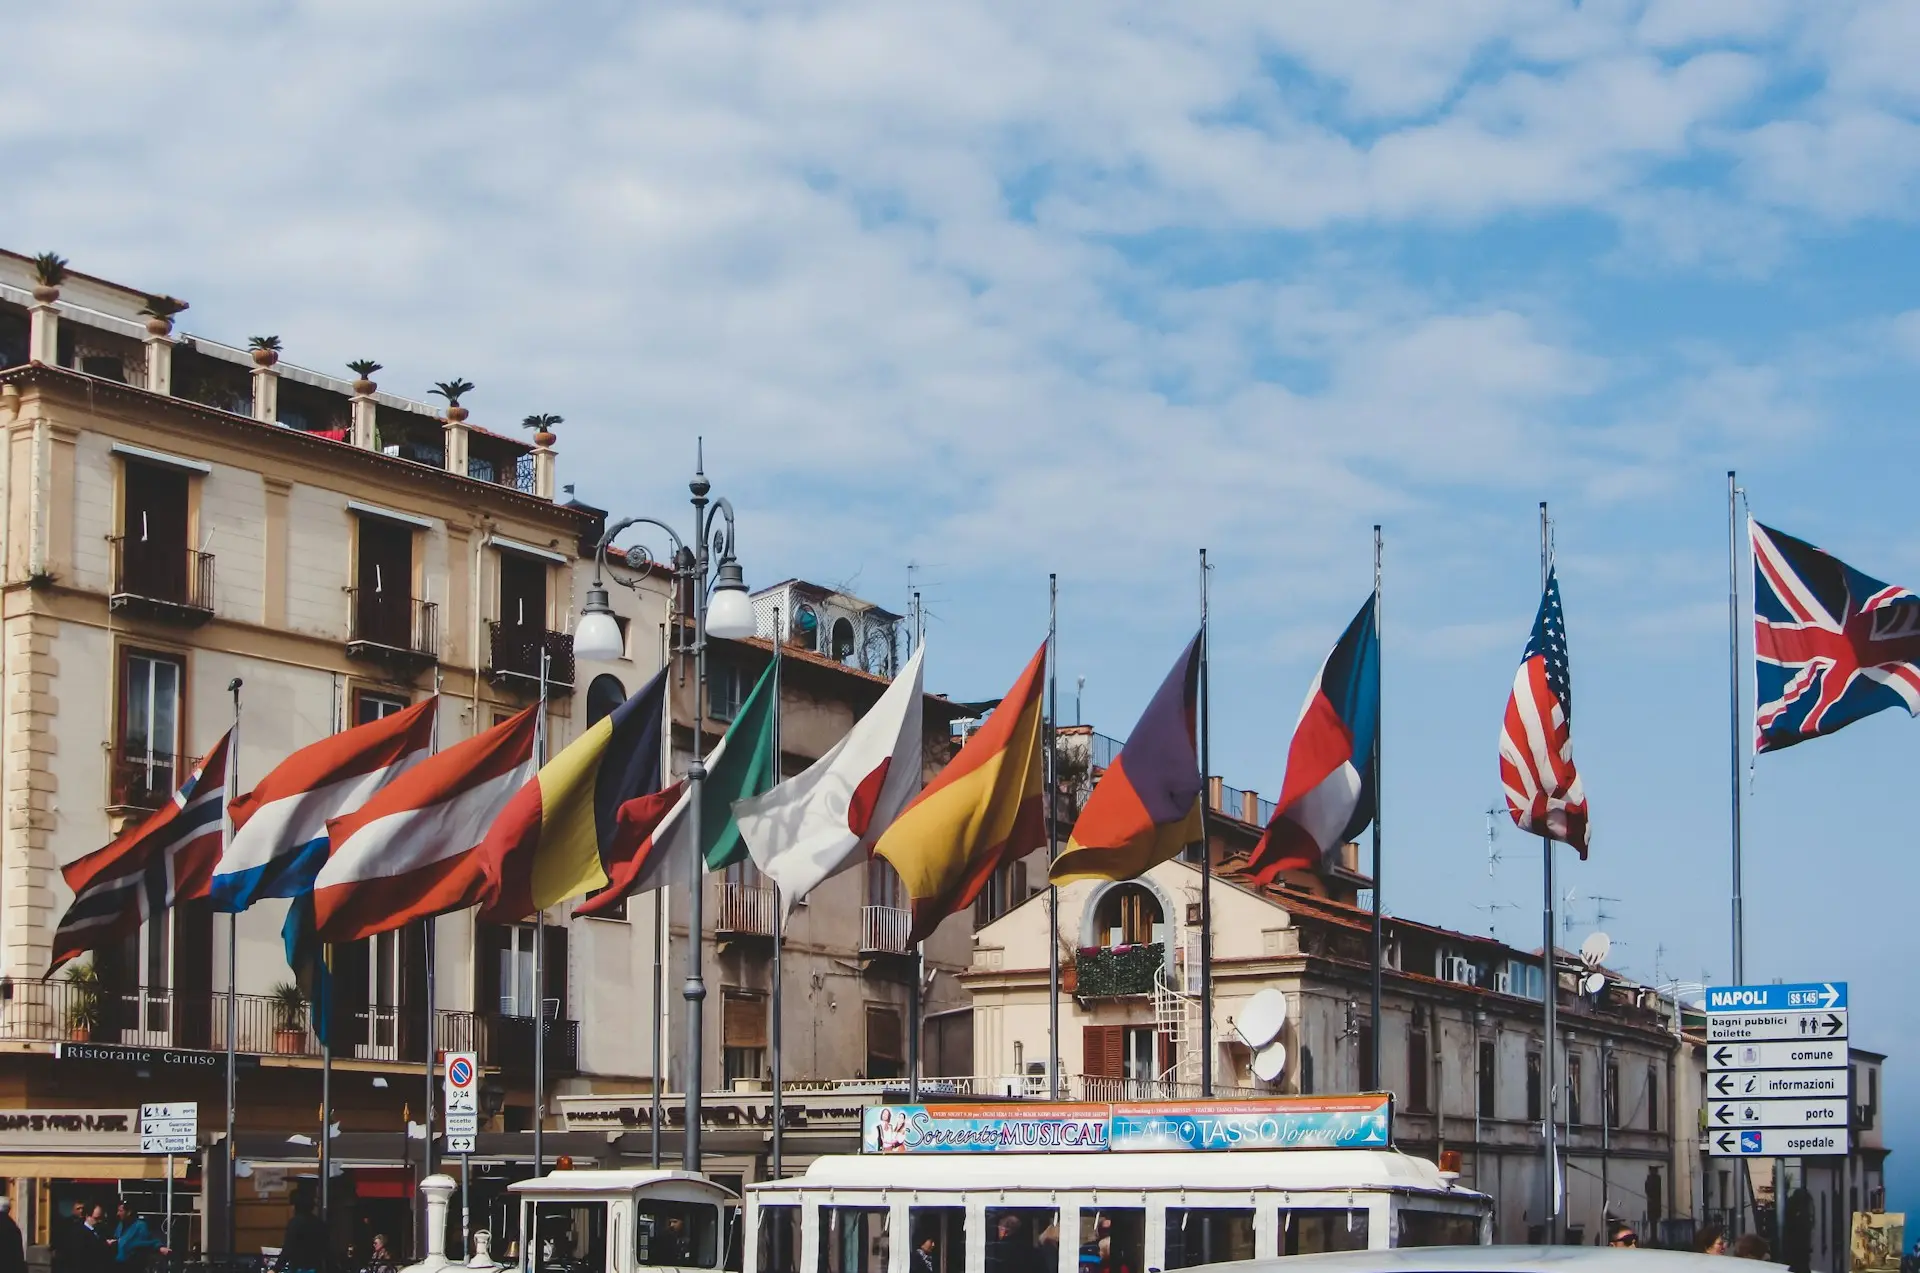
(984, 809)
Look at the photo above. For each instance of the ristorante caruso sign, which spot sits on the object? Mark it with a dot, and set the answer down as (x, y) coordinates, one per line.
(176, 1059)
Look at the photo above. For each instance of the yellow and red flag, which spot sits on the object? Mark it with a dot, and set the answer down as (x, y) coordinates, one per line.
(984, 809)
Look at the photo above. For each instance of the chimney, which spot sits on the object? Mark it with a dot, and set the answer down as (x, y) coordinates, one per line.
(1250, 807)
(1216, 793)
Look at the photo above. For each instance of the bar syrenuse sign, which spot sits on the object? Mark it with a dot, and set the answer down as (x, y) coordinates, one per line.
(1299, 1122)
(1004, 1129)
(1308, 1122)
(71, 1130)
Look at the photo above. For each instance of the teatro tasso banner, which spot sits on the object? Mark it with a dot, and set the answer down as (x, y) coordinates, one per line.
(1287, 1122)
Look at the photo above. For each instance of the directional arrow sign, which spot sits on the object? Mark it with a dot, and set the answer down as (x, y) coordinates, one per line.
(1825, 1113)
(1826, 995)
(1761, 1027)
(1822, 1055)
(1778, 1142)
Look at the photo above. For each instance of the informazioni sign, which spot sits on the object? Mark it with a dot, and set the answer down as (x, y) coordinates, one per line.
(1303, 1122)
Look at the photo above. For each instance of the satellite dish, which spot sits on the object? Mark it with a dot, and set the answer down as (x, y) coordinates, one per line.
(1593, 983)
(1260, 1021)
(1595, 949)
(1270, 1062)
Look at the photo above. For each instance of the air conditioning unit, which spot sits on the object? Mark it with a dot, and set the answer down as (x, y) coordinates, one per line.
(1462, 971)
(1503, 981)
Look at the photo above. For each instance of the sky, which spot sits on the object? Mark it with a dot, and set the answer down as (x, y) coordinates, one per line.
(971, 293)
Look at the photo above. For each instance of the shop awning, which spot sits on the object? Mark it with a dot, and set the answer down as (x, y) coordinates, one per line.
(92, 1167)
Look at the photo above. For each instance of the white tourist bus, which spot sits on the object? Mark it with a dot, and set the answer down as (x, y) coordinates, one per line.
(1107, 1189)
(620, 1221)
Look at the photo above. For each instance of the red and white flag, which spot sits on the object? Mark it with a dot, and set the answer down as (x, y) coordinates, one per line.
(826, 820)
(409, 851)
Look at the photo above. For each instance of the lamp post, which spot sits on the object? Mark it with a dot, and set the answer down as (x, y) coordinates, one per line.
(729, 615)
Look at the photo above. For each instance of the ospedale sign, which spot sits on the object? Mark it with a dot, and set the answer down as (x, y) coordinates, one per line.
(71, 1130)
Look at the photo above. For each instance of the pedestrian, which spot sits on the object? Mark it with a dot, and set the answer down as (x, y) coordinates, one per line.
(925, 1254)
(381, 1259)
(1710, 1240)
(303, 1248)
(134, 1243)
(94, 1252)
(1751, 1246)
(1624, 1236)
(13, 1251)
(68, 1231)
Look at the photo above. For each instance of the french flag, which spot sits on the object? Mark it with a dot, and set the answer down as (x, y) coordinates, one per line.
(280, 827)
(409, 852)
(1328, 796)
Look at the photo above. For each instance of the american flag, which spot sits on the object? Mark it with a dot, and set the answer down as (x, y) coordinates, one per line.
(1830, 644)
(1536, 741)
(166, 859)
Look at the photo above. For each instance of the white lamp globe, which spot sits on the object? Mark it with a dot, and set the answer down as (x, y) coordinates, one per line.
(730, 613)
(598, 637)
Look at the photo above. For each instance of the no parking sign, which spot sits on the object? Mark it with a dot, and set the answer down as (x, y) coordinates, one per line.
(462, 1089)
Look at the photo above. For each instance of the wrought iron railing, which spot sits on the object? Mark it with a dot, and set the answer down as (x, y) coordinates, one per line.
(1234, 803)
(160, 578)
(140, 778)
(1090, 1087)
(884, 930)
(392, 621)
(743, 908)
(514, 651)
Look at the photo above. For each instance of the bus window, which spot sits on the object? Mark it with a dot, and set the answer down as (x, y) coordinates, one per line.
(1023, 1240)
(779, 1240)
(1208, 1235)
(1438, 1228)
(572, 1237)
(939, 1239)
(854, 1240)
(1313, 1230)
(676, 1234)
(1113, 1240)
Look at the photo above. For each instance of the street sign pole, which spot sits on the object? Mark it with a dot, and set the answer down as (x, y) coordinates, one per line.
(168, 1241)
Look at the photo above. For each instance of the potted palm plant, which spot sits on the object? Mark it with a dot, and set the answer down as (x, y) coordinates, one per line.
(266, 349)
(49, 272)
(160, 312)
(289, 1019)
(542, 426)
(363, 369)
(452, 391)
(83, 1002)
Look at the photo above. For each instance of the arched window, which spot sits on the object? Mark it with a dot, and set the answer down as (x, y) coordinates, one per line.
(1129, 916)
(806, 628)
(603, 695)
(842, 639)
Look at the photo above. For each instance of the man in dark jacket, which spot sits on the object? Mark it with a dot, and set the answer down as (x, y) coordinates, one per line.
(303, 1249)
(68, 1232)
(13, 1251)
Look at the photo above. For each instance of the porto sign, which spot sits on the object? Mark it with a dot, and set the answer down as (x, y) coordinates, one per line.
(1778, 1072)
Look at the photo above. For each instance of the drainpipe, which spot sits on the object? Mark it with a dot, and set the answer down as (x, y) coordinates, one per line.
(37, 507)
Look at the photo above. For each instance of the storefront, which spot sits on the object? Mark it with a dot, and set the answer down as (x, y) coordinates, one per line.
(51, 1159)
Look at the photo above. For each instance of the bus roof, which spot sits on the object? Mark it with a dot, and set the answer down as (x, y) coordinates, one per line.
(1284, 1169)
(620, 1180)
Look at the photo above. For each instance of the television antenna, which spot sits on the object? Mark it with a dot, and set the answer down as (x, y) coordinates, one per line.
(1493, 834)
(1600, 912)
(1567, 904)
(1493, 910)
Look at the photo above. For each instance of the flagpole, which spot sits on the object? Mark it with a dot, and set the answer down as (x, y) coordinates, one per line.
(427, 933)
(1206, 848)
(779, 1112)
(1053, 852)
(233, 959)
(1550, 987)
(660, 906)
(539, 954)
(915, 1008)
(1733, 709)
(1378, 931)
(325, 982)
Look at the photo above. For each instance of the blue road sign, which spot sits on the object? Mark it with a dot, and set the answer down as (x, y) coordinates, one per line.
(1750, 1142)
(1820, 995)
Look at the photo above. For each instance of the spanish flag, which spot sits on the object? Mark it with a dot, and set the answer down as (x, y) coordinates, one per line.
(1146, 807)
(985, 808)
(547, 845)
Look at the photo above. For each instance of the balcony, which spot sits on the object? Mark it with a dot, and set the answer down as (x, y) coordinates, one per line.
(168, 582)
(141, 779)
(1111, 972)
(507, 1042)
(884, 930)
(743, 910)
(513, 657)
(1090, 1087)
(400, 633)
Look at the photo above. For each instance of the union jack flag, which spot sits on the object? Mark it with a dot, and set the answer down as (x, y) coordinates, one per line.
(166, 859)
(1830, 645)
(1543, 788)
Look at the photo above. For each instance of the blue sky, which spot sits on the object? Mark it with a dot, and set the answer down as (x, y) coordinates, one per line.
(998, 289)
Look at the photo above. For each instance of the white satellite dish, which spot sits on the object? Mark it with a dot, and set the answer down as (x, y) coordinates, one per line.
(1260, 1021)
(1270, 1062)
(1595, 949)
(1593, 983)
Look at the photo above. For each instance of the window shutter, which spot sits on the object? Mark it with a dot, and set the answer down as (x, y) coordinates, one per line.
(1103, 1051)
(883, 1033)
(743, 1020)
(493, 943)
(553, 971)
(351, 975)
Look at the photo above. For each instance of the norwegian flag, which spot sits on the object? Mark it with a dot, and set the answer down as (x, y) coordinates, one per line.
(166, 859)
(1830, 645)
(1543, 788)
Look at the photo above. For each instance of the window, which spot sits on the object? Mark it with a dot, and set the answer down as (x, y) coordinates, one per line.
(743, 1033)
(603, 695)
(572, 1237)
(1018, 1239)
(1573, 1090)
(1419, 1062)
(843, 642)
(1533, 1088)
(884, 886)
(1005, 889)
(1128, 915)
(779, 1239)
(1488, 1078)
(1208, 1235)
(1306, 1071)
(885, 1057)
(726, 691)
(153, 533)
(1873, 1098)
(1113, 1239)
(149, 765)
(506, 970)
(939, 1239)
(1653, 1098)
(854, 1240)
(383, 584)
(1438, 1228)
(1367, 1081)
(1312, 1231)
(1611, 1078)
(368, 706)
(523, 592)
(676, 1234)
